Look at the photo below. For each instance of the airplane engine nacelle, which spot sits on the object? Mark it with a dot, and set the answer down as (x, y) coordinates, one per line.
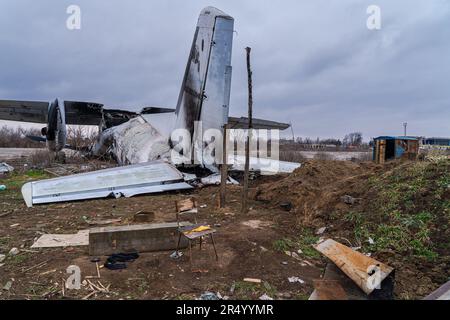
(56, 131)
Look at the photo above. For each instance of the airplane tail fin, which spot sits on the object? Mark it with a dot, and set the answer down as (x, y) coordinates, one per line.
(205, 91)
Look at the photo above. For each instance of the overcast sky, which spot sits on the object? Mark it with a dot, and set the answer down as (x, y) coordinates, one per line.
(315, 63)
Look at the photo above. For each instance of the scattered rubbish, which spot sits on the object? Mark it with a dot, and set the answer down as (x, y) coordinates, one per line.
(209, 296)
(188, 177)
(366, 272)
(143, 216)
(349, 200)
(443, 293)
(321, 231)
(2, 258)
(176, 255)
(2, 187)
(14, 225)
(232, 288)
(371, 241)
(118, 261)
(293, 255)
(263, 249)
(186, 206)
(63, 240)
(8, 285)
(5, 168)
(251, 280)
(203, 206)
(284, 263)
(201, 271)
(284, 295)
(295, 280)
(215, 179)
(265, 297)
(95, 288)
(14, 252)
(286, 206)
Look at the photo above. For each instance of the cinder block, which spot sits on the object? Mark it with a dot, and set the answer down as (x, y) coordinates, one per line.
(141, 238)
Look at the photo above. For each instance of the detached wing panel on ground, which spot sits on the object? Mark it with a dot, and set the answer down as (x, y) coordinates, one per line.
(128, 181)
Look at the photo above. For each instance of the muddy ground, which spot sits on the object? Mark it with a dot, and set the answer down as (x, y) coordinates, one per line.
(245, 250)
(250, 245)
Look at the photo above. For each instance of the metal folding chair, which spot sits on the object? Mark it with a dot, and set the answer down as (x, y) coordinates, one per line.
(189, 206)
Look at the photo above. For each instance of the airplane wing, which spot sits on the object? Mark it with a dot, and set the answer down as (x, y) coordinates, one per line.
(25, 111)
(152, 177)
(82, 113)
(242, 123)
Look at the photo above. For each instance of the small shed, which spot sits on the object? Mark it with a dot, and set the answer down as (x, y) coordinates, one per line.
(389, 148)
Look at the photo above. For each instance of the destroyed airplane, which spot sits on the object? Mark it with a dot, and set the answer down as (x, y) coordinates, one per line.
(152, 135)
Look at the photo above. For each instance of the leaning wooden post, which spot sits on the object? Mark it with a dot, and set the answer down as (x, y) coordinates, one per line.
(224, 169)
(249, 137)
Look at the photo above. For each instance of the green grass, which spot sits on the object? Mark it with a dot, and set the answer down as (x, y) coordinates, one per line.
(17, 259)
(303, 242)
(247, 290)
(15, 181)
(408, 208)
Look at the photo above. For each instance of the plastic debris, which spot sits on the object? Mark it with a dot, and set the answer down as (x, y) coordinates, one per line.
(2, 258)
(265, 297)
(296, 280)
(176, 255)
(5, 168)
(209, 296)
(14, 252)
(7, 286)
(2, 187)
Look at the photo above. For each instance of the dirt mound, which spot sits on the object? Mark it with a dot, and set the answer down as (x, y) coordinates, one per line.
(311, 185)
(399, 213)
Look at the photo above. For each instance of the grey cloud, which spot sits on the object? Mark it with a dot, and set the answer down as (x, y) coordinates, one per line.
(315, 63)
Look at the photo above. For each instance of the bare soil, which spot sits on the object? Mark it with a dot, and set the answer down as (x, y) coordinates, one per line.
(250, 245)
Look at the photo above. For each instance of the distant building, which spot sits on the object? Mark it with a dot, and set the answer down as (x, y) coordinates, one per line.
(389, 148)
(445, 142)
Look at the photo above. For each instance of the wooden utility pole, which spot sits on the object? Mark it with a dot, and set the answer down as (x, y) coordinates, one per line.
(249, 134)
(224, 169)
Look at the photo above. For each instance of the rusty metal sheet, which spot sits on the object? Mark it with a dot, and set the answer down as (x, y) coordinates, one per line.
(328, 290)
(366, 272)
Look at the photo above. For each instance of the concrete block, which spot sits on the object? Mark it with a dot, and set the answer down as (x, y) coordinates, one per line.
(141, 238)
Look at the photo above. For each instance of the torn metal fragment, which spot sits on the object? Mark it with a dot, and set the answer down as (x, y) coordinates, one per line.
(366, 272)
